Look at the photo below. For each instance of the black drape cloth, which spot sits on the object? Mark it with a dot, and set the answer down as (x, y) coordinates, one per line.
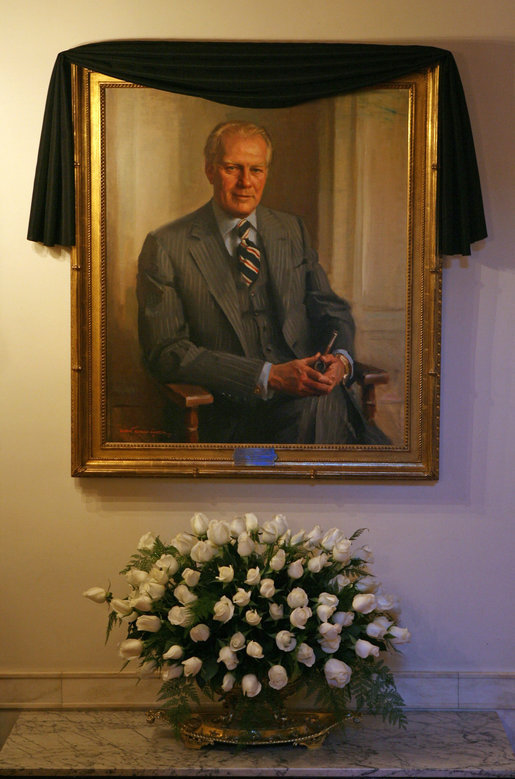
(259, 75)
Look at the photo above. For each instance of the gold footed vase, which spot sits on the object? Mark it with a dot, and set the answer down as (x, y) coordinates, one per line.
(247, 722)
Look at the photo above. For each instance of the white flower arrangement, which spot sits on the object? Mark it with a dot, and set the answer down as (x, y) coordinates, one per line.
(235, 605)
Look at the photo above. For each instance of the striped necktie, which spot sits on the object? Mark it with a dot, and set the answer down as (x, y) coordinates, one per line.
(249, 255)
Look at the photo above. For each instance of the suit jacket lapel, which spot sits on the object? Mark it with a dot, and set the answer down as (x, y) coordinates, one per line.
(210, 255)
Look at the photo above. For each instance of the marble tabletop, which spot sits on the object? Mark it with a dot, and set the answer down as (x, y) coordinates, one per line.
(435, 744)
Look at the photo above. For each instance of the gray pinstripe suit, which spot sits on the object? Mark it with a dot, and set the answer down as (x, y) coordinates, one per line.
(191, 328)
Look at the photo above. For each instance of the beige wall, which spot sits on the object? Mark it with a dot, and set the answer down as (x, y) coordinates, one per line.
(445, 549)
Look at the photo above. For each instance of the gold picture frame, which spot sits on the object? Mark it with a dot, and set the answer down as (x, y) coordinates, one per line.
(373, 154)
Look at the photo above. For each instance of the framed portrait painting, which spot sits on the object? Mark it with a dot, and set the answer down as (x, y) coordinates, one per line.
(359, 171)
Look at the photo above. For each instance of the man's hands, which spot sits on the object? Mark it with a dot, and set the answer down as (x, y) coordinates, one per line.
(300, 378)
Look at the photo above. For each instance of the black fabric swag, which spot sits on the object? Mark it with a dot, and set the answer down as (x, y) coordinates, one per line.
(258, 75)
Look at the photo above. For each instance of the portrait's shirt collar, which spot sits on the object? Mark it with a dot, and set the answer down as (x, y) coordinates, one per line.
(227, 223)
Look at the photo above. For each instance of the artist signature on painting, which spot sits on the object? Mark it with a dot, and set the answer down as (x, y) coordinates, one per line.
(140, 431)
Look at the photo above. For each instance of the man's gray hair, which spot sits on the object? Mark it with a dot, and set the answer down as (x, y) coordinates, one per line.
(214, 143)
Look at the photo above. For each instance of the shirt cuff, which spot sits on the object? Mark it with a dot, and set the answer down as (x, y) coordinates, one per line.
(262, 384)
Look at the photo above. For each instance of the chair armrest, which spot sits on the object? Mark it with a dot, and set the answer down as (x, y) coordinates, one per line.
(367, 376)
(189, 397)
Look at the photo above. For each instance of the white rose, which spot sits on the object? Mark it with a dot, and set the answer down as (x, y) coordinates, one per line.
(203, 551)
(314, 536)
(158, 575)
(149, 623)
(167, 563)
(174, 653)
(250, 685)
(364, 603)
(269, 532)
(223, 609)
(330, 646)
(96, 594)
(337, 673)
(237, 642)
(199, 523)
(267, 588)
(296, 569)
(365, 553)
(341, 551)
(228, 682)
(251, 522)
(276, 610)
(274, 529)
(245, 545)
(378, 627)
(387, 602)
(252, 617)
(297, 597)
(147, 541)
(286, 641)
(300, 616)
(331, 538)
(343, 618)
(122, 607)
(191, 577)
(306, 655)
(200, 632)
(228, 657)
(171, 671)
(327, 604)
(180, 615)
(366, 584)
(135, 577)
(184, 595)
(277, 677)
(141, 602)
(328, 631)
(315, 564)
(238, 526)
(241, 597)
(327, 599)
(330, 638)
(340, 581)
(219, 532)
(130, 648)
(284, 540)
(225, 573)
(260, 549)
(324, 612)
(297, 538)
(278, 560)
(192, 666)
(365, 648)
(399, 635)
(281, 523)
(254, 649)
(147, 669)
(183, 542)
(253, 576)
(153, 589)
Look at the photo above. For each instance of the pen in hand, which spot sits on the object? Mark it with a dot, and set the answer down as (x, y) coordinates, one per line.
(320, 365)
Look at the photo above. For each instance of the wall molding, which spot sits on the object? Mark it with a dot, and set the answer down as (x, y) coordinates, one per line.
(83, 690)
